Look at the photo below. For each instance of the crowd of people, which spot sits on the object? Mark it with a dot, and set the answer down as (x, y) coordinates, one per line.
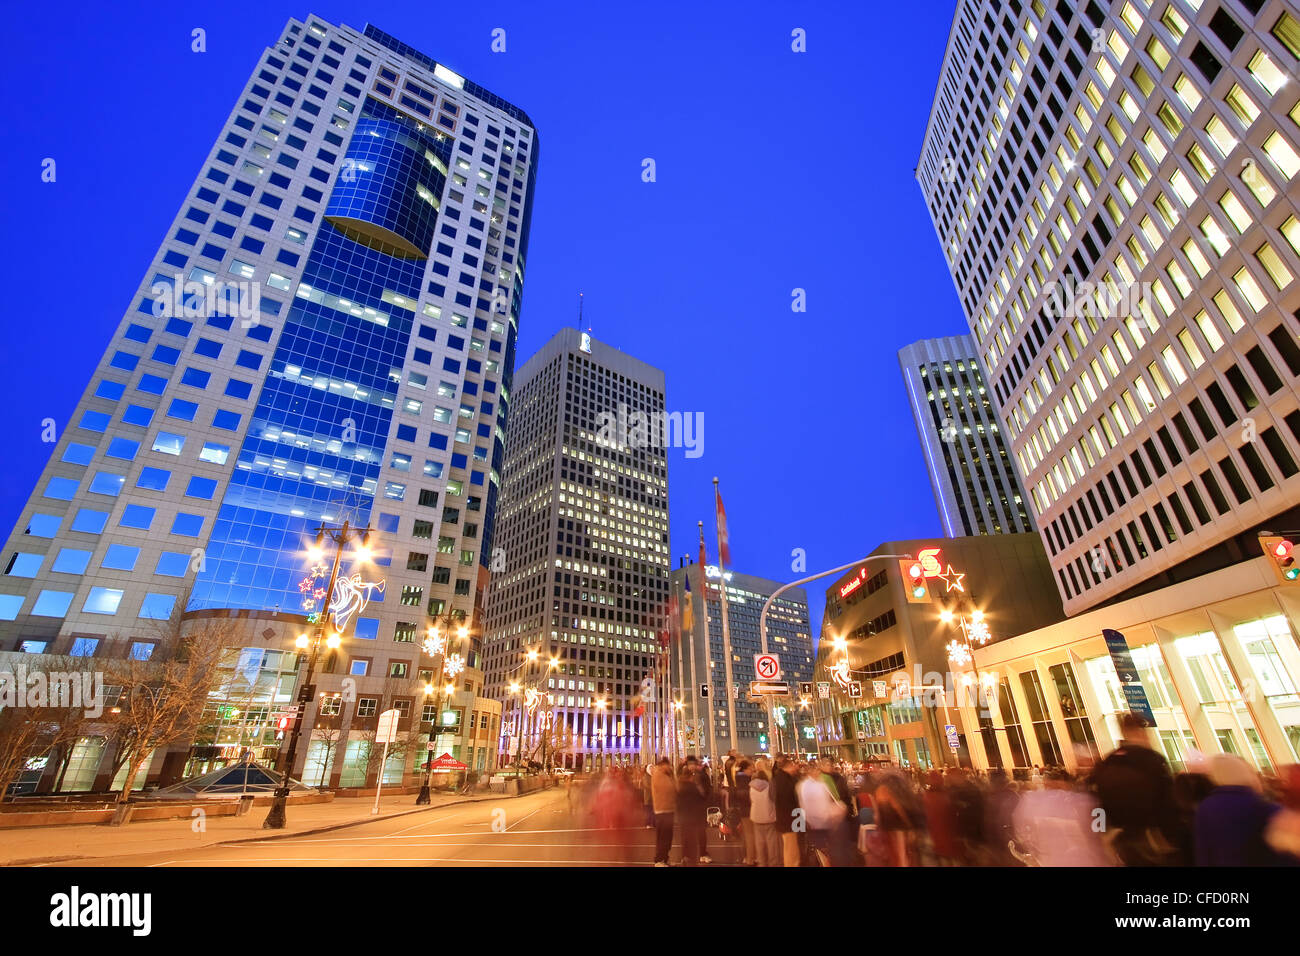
(1129, 808)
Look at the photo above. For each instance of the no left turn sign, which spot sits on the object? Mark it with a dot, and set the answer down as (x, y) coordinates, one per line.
(767, 667)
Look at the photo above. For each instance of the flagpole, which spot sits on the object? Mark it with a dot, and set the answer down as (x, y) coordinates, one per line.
(708, 646)
(681, 674)
(695, 684)
(726, 630)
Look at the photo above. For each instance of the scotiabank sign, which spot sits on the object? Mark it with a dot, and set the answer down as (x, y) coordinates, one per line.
(851, 585)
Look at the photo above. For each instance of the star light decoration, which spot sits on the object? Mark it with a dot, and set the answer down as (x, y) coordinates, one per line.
(312, 588)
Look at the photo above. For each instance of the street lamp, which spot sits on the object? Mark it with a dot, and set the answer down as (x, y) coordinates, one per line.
(275, 819)
(974, 633)
(767, 605)
(435, 644)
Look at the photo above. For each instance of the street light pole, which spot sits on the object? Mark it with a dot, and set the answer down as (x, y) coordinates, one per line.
(275, 819)
(762, 617)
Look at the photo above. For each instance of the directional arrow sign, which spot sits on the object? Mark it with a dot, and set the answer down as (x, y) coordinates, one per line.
(778, 688)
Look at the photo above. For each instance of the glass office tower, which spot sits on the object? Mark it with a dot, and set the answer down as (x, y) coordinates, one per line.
(326, 333)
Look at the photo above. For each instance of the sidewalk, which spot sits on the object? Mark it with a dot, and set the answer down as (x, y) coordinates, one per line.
(32, 845)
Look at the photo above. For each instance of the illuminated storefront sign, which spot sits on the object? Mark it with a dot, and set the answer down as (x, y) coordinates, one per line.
(852, 585)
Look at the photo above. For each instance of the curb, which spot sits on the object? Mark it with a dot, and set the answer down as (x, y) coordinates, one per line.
(34, 861)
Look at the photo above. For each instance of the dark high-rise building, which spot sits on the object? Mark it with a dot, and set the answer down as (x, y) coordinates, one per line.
(580, 570)
(974, 481)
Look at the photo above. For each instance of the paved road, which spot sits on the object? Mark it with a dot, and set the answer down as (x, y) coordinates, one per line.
(534, 830)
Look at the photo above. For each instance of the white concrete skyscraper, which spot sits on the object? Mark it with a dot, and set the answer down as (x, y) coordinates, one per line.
(1114, 188)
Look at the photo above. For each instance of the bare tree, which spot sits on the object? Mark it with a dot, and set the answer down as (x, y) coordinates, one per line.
(53, 715)
(163, 700)
(23, 734)
(406, 741)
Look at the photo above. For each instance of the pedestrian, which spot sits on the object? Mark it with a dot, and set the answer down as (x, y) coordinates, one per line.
(704, 782)
(1055, 824)
(741, 783)
(1135, 789)
(663, 795)
(941, 821)
(1232, 819)
(823, 812)
(898, 816)
(1283, 831)
(999, 827)
(786, 802)
(647, 797)
(690, 809)
(762, 821)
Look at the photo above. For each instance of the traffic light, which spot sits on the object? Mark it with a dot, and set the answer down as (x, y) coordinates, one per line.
(1281, 552)
(914, 581)
(283, 724)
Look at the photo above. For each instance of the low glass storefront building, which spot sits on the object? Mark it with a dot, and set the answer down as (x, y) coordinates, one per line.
(1217, 657)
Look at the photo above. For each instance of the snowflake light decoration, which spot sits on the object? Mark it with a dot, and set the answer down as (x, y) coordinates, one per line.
(455, 664)
(958, 652)
(435, 644)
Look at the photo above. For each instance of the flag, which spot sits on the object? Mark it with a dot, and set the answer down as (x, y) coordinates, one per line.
(688, 608)
(724, 542)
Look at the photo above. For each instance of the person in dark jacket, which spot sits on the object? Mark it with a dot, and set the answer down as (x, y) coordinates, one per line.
(690, 813)
(1231, 821)
(787, 802)
(1135, 789)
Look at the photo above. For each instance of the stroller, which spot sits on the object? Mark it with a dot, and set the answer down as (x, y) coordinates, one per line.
(714, 817)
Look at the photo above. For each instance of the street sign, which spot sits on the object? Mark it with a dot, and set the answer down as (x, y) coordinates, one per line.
(1135, 694)
(951, 733)
(429, 746)
(880, 688)
(767, 667)
(704, 690)
(776, 688)
(386, 731)
(805, 688)
(824, 689)
(855, 688)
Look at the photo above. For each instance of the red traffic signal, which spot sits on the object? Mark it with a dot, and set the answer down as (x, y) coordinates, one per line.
(1281, 551)
(914, 581)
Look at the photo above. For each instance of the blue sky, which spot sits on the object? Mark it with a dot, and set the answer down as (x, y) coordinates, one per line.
(775, 170)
